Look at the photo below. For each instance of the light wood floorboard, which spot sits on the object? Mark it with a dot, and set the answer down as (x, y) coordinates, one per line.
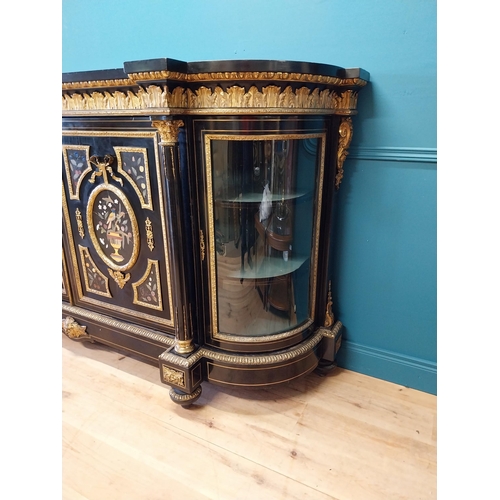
(343, 436)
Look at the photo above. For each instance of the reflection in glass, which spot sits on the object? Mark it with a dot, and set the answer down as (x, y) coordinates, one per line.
(263, 194)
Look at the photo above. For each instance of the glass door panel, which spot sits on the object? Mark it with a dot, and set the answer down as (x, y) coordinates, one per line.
(265, 197)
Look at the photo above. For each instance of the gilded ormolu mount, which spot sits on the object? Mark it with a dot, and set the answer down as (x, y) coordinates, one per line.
(168, 130)
(73, 330)
(345, 137)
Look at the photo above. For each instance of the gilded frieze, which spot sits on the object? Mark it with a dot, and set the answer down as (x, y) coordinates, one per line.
(77, 165)
(95, 281)
(133, 165)
(270, 97)
(147, 291)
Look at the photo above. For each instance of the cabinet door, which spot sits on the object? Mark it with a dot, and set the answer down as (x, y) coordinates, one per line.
(114, 217)
(264, 197)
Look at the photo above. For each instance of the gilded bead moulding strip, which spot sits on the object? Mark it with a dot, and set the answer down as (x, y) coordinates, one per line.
(289, 354)
(248, 76)
(125, 328)
(66, 290)
(209, 136)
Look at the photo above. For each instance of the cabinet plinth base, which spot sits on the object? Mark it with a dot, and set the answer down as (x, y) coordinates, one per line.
(185, 374)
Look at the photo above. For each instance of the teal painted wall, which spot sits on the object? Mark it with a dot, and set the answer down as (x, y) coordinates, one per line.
(386, 225)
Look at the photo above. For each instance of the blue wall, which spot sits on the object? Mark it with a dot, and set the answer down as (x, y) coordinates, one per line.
(386, 225)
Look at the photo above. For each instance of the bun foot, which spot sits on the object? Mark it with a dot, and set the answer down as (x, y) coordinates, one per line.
(184, 399)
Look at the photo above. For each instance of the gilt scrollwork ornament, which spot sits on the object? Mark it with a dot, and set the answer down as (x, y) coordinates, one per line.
(119, 277)
(149, 234)
(168, 130)
(73, 330)
(345, 136)
(79, 223)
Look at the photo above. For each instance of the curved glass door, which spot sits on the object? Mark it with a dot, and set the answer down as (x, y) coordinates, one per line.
(265, 199)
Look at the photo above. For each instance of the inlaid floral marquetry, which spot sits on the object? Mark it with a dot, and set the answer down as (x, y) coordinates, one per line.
(113, 227)
(95, 281)
(147, 291)
(76, 164)
(133, 165)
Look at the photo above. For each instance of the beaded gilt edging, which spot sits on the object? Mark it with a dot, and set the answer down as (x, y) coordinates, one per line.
(118, 325)
(252, 359)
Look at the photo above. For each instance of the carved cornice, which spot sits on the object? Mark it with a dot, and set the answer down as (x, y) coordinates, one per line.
(269, 98)
(158, 75)
(246, 76)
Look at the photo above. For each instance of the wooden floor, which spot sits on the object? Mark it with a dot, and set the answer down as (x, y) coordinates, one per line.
(342, 436)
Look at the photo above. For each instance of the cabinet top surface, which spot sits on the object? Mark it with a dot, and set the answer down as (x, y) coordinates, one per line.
(190, 69)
